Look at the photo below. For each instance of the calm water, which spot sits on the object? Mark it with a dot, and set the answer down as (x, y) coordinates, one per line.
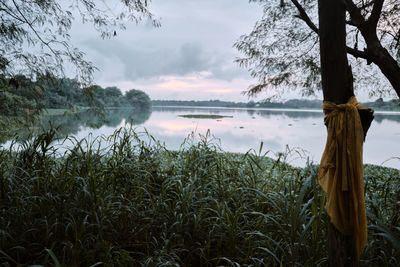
(301, 131)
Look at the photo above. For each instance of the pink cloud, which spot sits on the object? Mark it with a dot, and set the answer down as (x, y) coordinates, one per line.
(197, 86)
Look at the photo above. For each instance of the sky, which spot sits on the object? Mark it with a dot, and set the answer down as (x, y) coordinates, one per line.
(190, 57)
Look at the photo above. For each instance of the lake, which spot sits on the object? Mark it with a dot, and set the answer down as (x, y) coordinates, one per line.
(301, 131)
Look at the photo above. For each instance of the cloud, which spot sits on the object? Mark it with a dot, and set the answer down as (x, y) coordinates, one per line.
(143, 63)
(196, 37)
(197, 86)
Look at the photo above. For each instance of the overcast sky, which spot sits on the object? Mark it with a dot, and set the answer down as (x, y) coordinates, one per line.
(190, 57)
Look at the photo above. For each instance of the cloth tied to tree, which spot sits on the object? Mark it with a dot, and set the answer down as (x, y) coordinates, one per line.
(341, 170)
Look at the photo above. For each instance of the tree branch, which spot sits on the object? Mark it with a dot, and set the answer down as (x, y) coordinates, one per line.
(375, 13)
(357, 53)
(351, 23)
(354, 13)
(356, 18)
(304, 16)
(9, 12)
(366, 5)
(47, 44)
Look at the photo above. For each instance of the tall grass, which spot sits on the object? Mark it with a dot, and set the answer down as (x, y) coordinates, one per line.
(136, 203)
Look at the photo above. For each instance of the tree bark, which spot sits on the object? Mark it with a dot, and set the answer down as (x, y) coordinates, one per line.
(337, 80)
(337, 86)
(341, 248)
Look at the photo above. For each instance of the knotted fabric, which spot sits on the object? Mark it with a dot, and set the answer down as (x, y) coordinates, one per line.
(341, 170)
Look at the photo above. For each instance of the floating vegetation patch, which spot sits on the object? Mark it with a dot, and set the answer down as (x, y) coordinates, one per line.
(204, 116)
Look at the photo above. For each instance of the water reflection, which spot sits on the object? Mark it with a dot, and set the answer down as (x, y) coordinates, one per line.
(286, 113)
(276, 129)
(267, 113)
(379, 117)
(240, 133)
(72, 124)
(299, 114)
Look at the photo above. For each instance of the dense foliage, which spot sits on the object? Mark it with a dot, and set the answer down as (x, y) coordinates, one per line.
(282, 50)
(70, 124)
(20, 93)
(65, 93)
(35, 39)
(22, 101)
(137, 98)
(136, 203)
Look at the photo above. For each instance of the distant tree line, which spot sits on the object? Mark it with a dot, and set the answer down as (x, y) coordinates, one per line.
(67, 92)
(293, 103)
(379, 104)
(22, 100)
(200, 103)
(21, 93)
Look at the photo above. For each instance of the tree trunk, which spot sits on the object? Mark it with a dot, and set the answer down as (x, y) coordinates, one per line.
(341, 248)
(337, 80)
(337, 86)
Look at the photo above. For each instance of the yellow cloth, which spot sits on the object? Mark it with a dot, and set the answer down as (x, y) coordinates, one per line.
(341, 170)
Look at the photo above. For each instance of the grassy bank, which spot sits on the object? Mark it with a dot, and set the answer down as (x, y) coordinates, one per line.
(136, 203)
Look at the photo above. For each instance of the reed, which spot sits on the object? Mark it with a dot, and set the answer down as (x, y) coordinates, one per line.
(126, 200)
